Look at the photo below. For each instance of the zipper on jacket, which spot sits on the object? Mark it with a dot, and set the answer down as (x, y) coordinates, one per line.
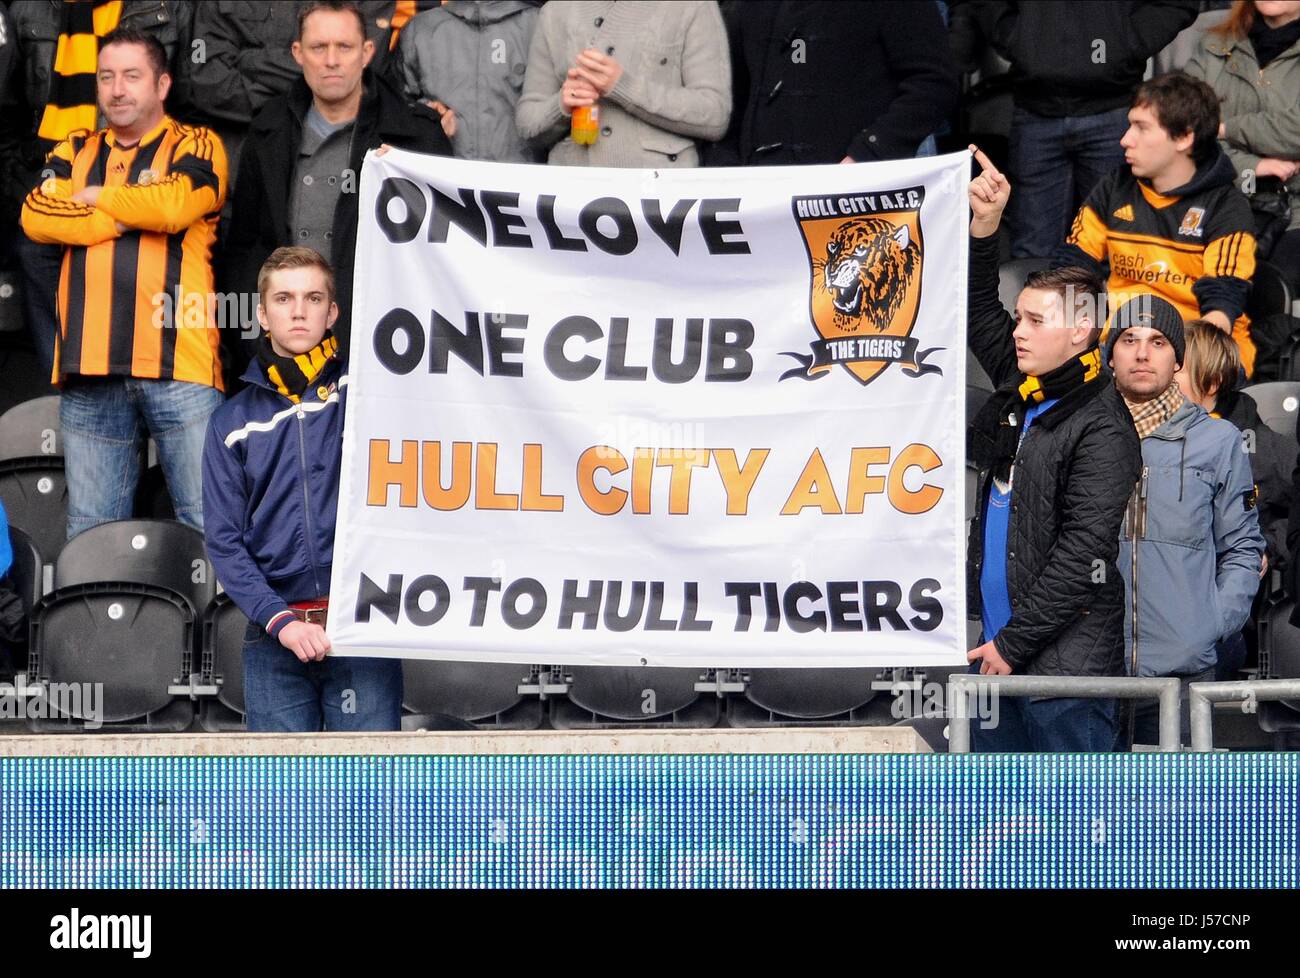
(1137, 530)
(306, 505)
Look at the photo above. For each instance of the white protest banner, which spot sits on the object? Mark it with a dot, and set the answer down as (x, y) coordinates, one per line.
(678, 418)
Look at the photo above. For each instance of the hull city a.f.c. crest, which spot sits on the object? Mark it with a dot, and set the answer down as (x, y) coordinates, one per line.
(865, 254)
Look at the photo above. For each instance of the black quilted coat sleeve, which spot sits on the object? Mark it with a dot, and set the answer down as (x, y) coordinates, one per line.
(988, 325)
(1091, 499)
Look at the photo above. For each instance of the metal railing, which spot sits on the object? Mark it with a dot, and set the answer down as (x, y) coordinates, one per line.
(963, 686)
(1203, 696)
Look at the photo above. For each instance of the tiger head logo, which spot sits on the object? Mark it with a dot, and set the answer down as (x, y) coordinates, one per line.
(869, 265)
(865, 256)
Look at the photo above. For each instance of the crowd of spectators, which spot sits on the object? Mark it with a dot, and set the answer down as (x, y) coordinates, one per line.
(168, 148)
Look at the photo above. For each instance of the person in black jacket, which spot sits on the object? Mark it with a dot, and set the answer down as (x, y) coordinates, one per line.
(1075, 65)
(817, 82)
(1058, 457)
(300, 169)
(240, 59)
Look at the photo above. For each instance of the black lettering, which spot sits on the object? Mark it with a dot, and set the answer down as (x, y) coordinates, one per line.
(409, 192)
(615, 620)
(616, 366)
(880, 601)
(536, 594)
(499, 345)
(587, 605)
(771, 602)
(799, 622)
(465, 215)
(624, 240)
(744, 592)
(931, 608)
(662, 358)
(387, 601)
(441, 600)
(690, 605)
(554, 235)
(393, 322)
(729, 339)
(481, 586)
(503, 223)
(553, 350)
(654, 620)
(715, 230)
(670, 228)
(445, 338)
(842, 600)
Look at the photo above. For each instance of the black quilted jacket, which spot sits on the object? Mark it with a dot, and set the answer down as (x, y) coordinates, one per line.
(1074, 473)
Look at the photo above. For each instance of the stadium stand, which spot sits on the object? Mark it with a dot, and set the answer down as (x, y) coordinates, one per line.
(789, 697)
(1279, 658)
(223, 665)
(1278, 403)
(31, 429)
(123, 613)
(1270, 295)
(603, 696)
(476, 694)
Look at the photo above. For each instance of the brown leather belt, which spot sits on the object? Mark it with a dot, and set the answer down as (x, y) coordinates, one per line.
(312, 612)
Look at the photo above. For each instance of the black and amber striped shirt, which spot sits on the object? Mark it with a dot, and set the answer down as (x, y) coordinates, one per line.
(1194, 246)
(137, 302)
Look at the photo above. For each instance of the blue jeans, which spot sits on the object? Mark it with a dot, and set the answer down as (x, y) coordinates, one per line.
(1146, 714)
(1054, 165)
(41, 264)
(285, 695)
(1038, 726)
(104, 421)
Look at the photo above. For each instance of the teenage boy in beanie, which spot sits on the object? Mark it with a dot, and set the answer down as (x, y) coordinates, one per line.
(1058, 458)
(270, 484)
(1190, 547)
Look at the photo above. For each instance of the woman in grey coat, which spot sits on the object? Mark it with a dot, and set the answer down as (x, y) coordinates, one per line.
(1252, 61)
(660, 74)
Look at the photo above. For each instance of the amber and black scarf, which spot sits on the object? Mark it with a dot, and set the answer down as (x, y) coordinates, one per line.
(1000, 451)
(71, 105)
(293, 375)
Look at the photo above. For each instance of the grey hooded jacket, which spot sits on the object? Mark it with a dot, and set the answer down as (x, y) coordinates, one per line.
(472, 57)
(1190, 547)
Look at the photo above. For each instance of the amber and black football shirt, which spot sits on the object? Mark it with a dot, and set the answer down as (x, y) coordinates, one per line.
(137, 302)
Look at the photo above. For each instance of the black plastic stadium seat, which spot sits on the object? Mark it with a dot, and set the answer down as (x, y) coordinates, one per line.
(485, 694)
(621, 696)
(223, 665)
(1269, 292)
(792, 696)
(134, 639)
(31, 429)
(1279, 646)
(1278, 402)
(161, 553)
(1011, 278)
(35, 496)
(123, 613)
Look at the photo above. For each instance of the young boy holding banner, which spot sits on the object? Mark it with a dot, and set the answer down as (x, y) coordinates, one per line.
(271, 469)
